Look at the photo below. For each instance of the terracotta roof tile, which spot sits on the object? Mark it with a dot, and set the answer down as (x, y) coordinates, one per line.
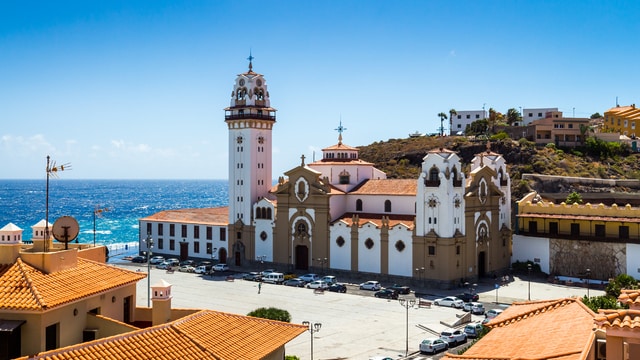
(23, 287)
(537, 330)
(407, 187)
(629, 319)
(210, 216)
(203, 335)
(630, 297)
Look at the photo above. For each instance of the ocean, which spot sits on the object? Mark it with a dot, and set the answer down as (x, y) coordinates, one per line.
(118, 204)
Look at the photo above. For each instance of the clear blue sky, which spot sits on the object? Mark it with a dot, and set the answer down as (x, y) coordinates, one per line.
(136, 89)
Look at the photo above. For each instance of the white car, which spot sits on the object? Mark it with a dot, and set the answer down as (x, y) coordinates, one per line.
(318, 284)
(453, 337)
(310, 277)
(156, 260)
(433, 345)
(474, 307)
(220, 267)
(370, 285)
(493, 313)
(451, 301)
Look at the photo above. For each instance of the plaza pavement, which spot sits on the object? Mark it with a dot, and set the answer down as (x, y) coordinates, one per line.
(353, 326)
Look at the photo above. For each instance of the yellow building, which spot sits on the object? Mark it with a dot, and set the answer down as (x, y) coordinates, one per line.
(569, 239)
(622, 119)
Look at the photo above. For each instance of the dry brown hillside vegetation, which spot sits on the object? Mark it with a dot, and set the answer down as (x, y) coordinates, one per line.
(402, 158)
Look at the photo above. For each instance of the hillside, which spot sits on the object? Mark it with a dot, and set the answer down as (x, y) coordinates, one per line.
(402, 158)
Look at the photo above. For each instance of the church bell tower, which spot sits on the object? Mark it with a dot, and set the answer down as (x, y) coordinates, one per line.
(250, 119)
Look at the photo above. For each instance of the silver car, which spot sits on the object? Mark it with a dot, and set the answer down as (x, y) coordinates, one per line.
(474, 307)
(370, 285)
(433, 345)
(453, 337)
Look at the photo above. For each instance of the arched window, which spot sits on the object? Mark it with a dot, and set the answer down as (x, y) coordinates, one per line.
(268, 213)
(387, 206)
(301, 228)
(433, 174)
(301, 188)
(359, 205)
(258, 213)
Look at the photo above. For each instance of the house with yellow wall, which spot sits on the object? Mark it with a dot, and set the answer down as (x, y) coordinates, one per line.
(568, 240)
(623, 119)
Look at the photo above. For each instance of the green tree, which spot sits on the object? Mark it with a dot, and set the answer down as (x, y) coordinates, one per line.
(272, 314)
(573, 198)
(513, 116)
(478, 127)
(443, 117)
(600, 302)
(596, 116)
(452, 113)
(622, 281)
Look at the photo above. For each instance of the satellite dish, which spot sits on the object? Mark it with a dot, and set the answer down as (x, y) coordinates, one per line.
(65, 230)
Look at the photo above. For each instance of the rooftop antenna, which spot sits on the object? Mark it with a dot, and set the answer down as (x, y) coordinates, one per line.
(340, 129)
(617, 102)
(52, 170)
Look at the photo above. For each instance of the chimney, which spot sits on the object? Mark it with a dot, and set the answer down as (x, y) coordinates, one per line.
(161, 298)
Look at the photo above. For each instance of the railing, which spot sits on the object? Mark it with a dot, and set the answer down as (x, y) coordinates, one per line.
(250, 116)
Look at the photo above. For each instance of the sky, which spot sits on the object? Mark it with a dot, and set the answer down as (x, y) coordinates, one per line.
(137, 89)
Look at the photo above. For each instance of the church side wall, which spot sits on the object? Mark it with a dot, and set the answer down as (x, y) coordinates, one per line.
(400, 260)
(340, 255)
(369, 259)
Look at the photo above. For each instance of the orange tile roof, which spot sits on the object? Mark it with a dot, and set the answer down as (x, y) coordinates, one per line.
(363, 218)
(557, 329)
(210, 216)
(630, 297)
(387, 187)
(628, 319)
(203, 335)
(23, 287)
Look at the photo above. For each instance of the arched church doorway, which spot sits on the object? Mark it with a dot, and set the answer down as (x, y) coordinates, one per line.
(302, 257)
(222, 255)
(481, 264)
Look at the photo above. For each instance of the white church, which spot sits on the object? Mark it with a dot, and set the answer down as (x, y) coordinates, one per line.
(340, 213)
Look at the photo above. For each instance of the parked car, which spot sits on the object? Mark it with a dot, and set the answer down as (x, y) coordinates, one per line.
(156, 260)
(252, 276)
(310, 277)
(433, 345)
(474, 307)
(318, 284)
(401, 289)
(205, 263)
(330, 279)
(491, 314)
(454, 337)
(188, 262)
(295, 282)
(139, 259)
(290, 275)
(337, 287)
(163, 265)
(473, 330)
(451, 301)
(468, 297)
(173, 262)
(220, 267)
(202, 269)
(370, 285)
(386, 294)
(187, 268)
(267, 272)
(274, 278)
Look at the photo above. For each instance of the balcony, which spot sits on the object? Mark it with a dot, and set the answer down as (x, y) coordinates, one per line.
(271, 117)
(580, 237)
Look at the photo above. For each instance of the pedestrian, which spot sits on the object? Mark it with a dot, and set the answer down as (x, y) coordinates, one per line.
(259, 287)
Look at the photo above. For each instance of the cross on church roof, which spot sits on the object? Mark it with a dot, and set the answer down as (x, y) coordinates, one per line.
(340, 129)
(250, 58)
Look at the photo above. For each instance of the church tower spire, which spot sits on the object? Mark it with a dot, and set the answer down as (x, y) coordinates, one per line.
(250, 119)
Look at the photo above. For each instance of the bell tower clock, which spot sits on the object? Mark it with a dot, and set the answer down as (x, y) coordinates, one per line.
(250, 119)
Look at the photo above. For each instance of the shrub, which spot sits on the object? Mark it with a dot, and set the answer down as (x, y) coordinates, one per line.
(272, 314)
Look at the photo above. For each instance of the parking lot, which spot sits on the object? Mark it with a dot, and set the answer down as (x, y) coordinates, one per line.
(355, 325)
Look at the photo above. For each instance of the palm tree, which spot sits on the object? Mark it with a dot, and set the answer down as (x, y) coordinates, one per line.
(452, 113)
(443, 117)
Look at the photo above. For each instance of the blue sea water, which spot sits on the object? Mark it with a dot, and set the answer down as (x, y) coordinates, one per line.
(23, 203)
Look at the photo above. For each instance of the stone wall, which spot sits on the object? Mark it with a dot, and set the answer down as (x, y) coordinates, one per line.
(574, 257)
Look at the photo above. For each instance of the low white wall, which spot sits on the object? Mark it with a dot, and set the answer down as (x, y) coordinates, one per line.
(527, 248)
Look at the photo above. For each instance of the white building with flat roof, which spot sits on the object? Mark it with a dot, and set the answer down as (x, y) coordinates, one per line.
(462, 119)
(528, 115)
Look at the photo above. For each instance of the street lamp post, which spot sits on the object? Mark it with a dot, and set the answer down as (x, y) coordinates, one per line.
(97, 211)
(407, 303)
(322, 262)
(313, 327)
(149, 242)
(529, 269)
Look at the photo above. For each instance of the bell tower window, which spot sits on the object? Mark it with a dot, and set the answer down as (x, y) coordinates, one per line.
(344, 177)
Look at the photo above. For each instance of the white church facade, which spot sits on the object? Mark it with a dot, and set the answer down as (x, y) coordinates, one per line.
(340, 213)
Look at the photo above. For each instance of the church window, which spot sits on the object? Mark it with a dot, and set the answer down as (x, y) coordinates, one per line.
(302, 229)
(369, 243)
(340, 241)
(429, 220)
(359, 205)
(387, 206)
(432, 250)
(433, 179)
(258, 213)
(268, 213)
(457, 249)
(239, 235)
(301, 188)
(263, 236)
(400, 246)
(344, 177)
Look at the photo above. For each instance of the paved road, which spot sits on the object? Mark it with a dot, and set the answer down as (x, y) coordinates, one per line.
(355, 325)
